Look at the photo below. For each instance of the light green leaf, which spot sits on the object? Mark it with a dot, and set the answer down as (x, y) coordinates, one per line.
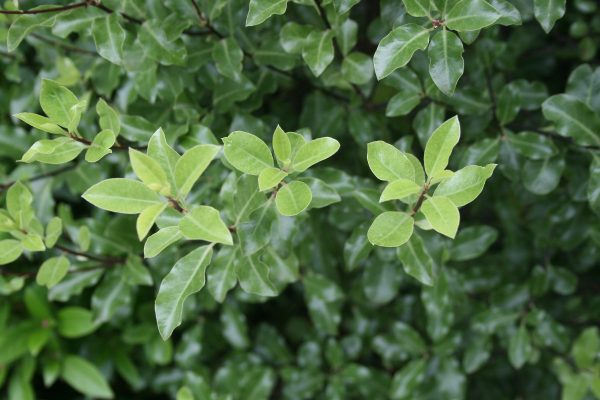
(446, 64)
(55, 151)
(185, 278)
(416, 260)
(147, 218)
(397, 48)
(471, 15)
(162, 239)
(247, 153)
(108, 117)
(228, 57)
(253, 275)
(109, 37)
(221, 277)
(149, 171)
(260, 10)
(33, 242)
(58, 102)
(124, 196)
(101, 146)
(399, 189)
(442, 214)
(53, 231)
(573, 118)
(282, 146)
(293, 198)
(318, 51)
(52, 271)
(10, 250)
(205, 223)
(466, 184)
(84, 377)
(440, 146)
(40, 122)
(270, 177)
(191, 165)
(586, 347)
(74, 322)
(547, 12)
(314, 152)
(388, 163)
(519, 347)
(160, 151)
(391, 229)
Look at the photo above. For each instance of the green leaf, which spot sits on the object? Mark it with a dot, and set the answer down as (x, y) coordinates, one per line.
(532, 145)
(52, 271)
(146, 219)
(53, 231)
(205, 223)
(471, 15)
(323, 194)
(357, 68)
(542, 176)
(391, 229)
(260, 10)
(442, 214)
(416, 260)
(84, 377)
(440, 146)
(100, 146)
(466, 184)
(109, 37)
(477, 354)
(573, 118)
(397, 48)
(10, 250)
(324, 300)
(282, 146)
(418, 8)
(55, 151)
(293, 198)
(318, 51)
(253, 275)
(40, 122)
(547, 12)
(446, 64)
(519, 347)
(399, 189)
(191, 165)
(314, 152)
(160, 151)
(149, 171)
(33, 242)
(402, 104)
(119, 195)
(388, 163)
(24, 24)
(247, 153)
(185, 278)
(472, 242)
(407, 379)
(228, 57)
(270, 177)
(221, 276)
(158, 45)
(162, 239)
(58, 102)
(593, 189)
(509, 14)
(109, 118)
(74, 322)
(292, 37)
(586, 347)
(111, 296)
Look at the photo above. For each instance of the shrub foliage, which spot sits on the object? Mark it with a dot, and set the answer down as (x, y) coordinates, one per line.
(303, 199)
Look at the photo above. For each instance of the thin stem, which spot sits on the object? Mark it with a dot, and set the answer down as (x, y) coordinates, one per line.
(4, 186)
(420, 200)
(103, 260)
(65, 46)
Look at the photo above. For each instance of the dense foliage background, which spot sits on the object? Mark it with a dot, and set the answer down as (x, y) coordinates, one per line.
(509, 309)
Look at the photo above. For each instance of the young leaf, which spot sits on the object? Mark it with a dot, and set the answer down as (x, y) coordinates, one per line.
(58, 103)
(119, 195)
(416, 260)
(205, 223)
(191, 165)
(471, 15)
(547, 12)
(269, 178)
(100, 146)
(446, 64)
(253, 276)
(149, 171)
(109, 37)
(260, 10)
(185, 278)
(40, 122)
(293, 198)
(391, 229)
(247, 153)
(108, 117)
(84, 377)
(10, 250)
(397, 48)
(53, 231)
(55, 151)
(314, 152)
(52, 271)
(440, 146)
(442, 214)
(318, 51)
(162, 239)
(282, 146)
(147, 218)
(388, 163)
(399, 189)
(466, 184)
(160, 151)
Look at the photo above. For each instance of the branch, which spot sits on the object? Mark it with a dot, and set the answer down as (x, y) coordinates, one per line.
(49, 10)
(4, 186)
(420, 200)
(108, 261)
(65, 46)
